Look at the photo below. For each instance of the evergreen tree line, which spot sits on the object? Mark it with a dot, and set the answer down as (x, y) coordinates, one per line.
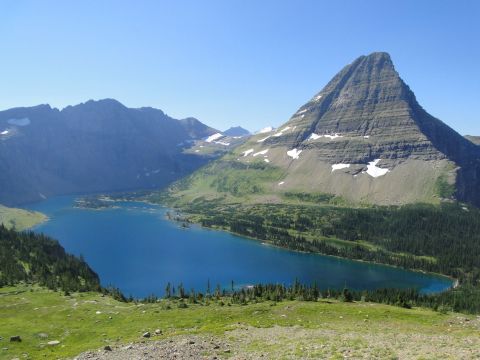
(443, 239)
(36, 258)
(465, 299)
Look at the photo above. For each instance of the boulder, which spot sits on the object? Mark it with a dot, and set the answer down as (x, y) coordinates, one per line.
(15, 338)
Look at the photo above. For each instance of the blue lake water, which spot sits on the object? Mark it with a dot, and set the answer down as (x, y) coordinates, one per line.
(135, 248)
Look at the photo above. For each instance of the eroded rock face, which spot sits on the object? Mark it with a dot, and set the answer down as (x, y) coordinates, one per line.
(374, 115)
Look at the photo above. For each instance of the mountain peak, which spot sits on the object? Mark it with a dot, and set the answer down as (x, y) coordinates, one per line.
(236, 131)
(378, 56)
(364, 136)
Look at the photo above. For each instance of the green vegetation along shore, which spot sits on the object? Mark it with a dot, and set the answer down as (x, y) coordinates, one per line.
(442, 238)
(20, 219)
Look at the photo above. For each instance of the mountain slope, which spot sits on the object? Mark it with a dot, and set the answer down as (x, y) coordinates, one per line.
(94, 146)
(364, 137)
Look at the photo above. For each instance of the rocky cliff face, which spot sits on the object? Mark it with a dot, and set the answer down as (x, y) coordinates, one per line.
(95, 146)
(365, 137)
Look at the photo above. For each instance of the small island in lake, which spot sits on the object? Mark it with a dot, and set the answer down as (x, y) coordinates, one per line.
(94, 203)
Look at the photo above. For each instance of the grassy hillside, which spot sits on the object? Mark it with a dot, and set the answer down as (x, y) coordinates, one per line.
(20, 219)
(285, 330)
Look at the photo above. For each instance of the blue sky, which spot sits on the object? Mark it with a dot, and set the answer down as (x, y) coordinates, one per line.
(230, 62)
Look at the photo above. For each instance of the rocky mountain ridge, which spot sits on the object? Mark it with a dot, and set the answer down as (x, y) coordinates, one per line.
(94, 146)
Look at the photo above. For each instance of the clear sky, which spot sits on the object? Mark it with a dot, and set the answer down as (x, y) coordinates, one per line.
(235, 62)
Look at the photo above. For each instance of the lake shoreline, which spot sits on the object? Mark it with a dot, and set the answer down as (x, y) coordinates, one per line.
(454, 281)
(75, 228)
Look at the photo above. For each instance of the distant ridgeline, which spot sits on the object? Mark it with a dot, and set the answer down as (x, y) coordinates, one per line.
(94, 146)
(36, 258)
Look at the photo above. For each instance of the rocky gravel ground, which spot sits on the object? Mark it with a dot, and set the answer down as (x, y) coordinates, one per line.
(296, 342)
(182, 347)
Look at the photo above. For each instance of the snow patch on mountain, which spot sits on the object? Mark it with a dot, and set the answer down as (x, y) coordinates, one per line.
(332, 137)
(266, 130)
(374, 171)
(214, 137)
(263, 152)
(265, 138)
(294, 153)
(314, 136)
(339, 166)
(247, 152)
(280, 133)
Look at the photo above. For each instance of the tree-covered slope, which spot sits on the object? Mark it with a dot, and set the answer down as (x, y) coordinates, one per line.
(35, 258)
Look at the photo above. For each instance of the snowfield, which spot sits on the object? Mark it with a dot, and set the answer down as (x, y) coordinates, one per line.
(339, 166)
(266, 130)
(247, 152)
(374, 171)
(314, 136)
(294, 153)
(332, 137)
(262, 140)
(263, 152)
(280, 133)
(213, 137)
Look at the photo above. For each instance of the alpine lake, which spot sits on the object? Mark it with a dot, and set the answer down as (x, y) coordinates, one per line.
(133, 246)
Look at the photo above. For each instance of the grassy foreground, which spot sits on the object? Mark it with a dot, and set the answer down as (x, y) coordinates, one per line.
(20, 219)
(290, 329)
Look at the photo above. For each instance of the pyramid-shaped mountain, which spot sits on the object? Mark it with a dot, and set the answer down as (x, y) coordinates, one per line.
(363, 137)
